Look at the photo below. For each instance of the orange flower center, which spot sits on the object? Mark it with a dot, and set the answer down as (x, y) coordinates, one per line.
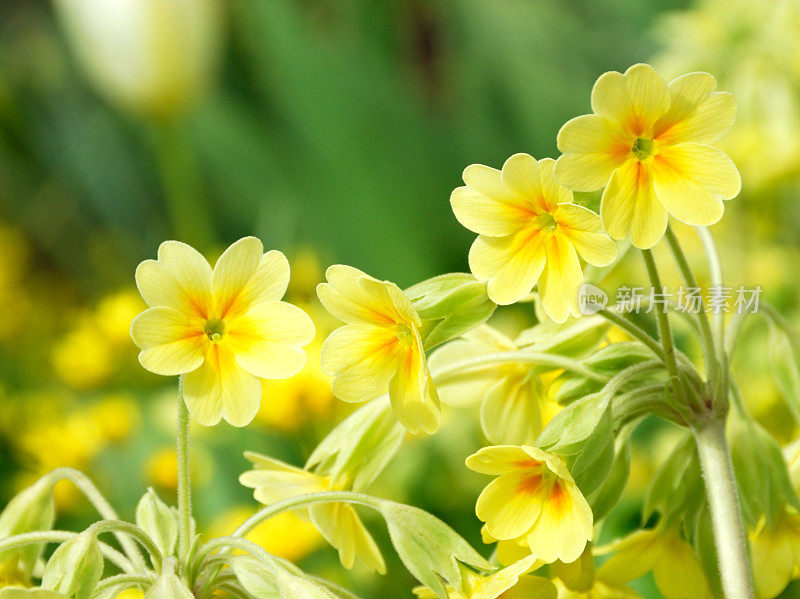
(215, 330)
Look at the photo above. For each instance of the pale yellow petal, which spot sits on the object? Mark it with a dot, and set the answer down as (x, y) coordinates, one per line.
(273, 480)
(342, 528)
(268, 283)
(362, 359)
(636, 99)
(773, 561)
(500, 459)
(512, 264)
(511, 412)
(487, 181)
(268, 339)
(180, 279)
(678, 572)
(220, 388)
(563, 527)
(233, 270)
(171, 342)
(532, 587)
(634, 556)
(412, 393)
(553, 192)
(560, 280)
(629, 206)
(610, 97)
(510, 504)
(484, 215)
(691, 180)
(582, 228)
(593, 146)
(465, 386)
(512, 551)
(520, 174)
(697, 113)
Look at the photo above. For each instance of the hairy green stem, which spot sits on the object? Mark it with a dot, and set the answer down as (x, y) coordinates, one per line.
(122, 582)
(135, 533)
(726, 515)
(664, 330)
(634, 331)
(184, 479)
(103, 507)
(59, 536)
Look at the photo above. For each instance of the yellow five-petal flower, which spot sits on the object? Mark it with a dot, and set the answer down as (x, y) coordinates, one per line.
(222, 329)
(529, 231)
(533, 501)
(380, 349)
(648, 143)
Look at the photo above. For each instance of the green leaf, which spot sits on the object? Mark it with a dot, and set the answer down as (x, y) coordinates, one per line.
(428, 547)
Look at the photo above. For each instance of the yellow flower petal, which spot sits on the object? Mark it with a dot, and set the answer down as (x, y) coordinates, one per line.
(512, 264)
(274, 480)
(691, 180)
(560, 280)
(268, 339)
(412, 394)
(233, 270)
(500, 459)
(634, 556)
(678, 572)
(221, 388)
(583, 229)
(511, 412)
(636, 99)
(592, 146)
(179, 279)
(510, 504)
(630, 206)
(520, 174)
(773, 560)
(171, 342)
(697, 113)
(564, 525)
(485, 215)
(362, 359)
(553, 193)
(532, 587)
(487, 181)
(268, 283)
(342, 528)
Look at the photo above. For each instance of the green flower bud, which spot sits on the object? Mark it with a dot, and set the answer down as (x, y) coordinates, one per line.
(158, 520)
(168, 586)
(574, 339)
(30, 510)
(75, 567)
(449, 305)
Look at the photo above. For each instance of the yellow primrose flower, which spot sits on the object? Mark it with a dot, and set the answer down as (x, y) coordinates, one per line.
(533, 501)
(677, 569)
(511, 395)
(775, 553)
(529, 230)
(339, 523)
(508, 583)
(600, 590)
(648, 143)
(222, 329)
(380, 349)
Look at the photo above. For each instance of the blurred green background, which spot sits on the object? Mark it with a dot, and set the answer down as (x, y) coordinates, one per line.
(334, 131)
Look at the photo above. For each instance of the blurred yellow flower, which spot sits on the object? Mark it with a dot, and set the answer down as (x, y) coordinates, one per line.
(149, 56)
(677, 569)
(507, 583)
(115, 417)
(512, 396)
(339, 523)
(161, 468)
(648, 143)
(286, 535)
(114, 314)
(83, 358)
(533, 501)
(775, 553)
(529, 230)
(222, 329)
(380, 349)
(131, 594)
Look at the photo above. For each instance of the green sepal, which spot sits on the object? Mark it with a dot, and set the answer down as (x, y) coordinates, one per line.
(30, 510)
(677, 488)
(75, 567)
(169, 586)
(574, 339)
(159, 521)
(604, 498)
(449, 305)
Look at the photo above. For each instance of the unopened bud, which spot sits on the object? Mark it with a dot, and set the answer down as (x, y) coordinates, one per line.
(75, 567)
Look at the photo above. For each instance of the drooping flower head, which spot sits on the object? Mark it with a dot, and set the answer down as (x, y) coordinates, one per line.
(649, 144)
(380, 349)
(529, 230)
(533, 501)
(222, 329)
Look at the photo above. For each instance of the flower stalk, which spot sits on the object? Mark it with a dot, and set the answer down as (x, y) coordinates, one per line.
(184, 479)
